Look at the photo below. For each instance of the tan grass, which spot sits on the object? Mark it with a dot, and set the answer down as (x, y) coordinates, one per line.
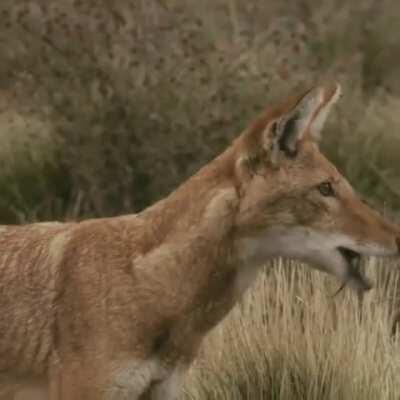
(290, 339)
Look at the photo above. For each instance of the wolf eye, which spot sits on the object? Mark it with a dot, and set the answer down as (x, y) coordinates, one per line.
(326, 189)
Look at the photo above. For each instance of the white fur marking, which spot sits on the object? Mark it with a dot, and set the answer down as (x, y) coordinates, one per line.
(304, 244)
(171, 387)
(133, 379)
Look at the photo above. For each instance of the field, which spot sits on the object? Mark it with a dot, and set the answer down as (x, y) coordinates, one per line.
(123, 102)
(291, 339)
(105, 108)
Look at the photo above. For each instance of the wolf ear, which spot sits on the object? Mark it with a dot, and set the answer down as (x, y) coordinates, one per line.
(306, 118)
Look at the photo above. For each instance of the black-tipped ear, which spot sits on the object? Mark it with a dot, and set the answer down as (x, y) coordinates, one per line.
(279, 133)
(288, 135)
(306, 118)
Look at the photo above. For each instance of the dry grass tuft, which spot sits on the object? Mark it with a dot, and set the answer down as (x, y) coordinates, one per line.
(289, 339)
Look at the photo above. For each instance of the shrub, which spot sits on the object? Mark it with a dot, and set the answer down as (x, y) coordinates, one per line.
(138, 95)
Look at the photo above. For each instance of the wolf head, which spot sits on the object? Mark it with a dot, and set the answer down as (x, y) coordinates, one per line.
(295, 203)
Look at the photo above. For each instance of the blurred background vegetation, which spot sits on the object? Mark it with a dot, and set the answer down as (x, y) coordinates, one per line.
(107, 106)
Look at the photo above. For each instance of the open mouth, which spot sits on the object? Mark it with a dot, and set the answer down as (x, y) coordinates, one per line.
(352, 257)
(355, 277)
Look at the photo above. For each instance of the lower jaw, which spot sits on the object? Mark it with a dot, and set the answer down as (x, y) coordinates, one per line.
(358, 281)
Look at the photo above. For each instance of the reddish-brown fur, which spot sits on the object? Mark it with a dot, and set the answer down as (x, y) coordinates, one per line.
(110, 308)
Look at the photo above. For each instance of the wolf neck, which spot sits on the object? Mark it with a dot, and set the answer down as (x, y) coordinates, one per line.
(204, 203)
(195, 227)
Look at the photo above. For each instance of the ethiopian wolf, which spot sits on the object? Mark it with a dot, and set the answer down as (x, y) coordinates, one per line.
(117, 308)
